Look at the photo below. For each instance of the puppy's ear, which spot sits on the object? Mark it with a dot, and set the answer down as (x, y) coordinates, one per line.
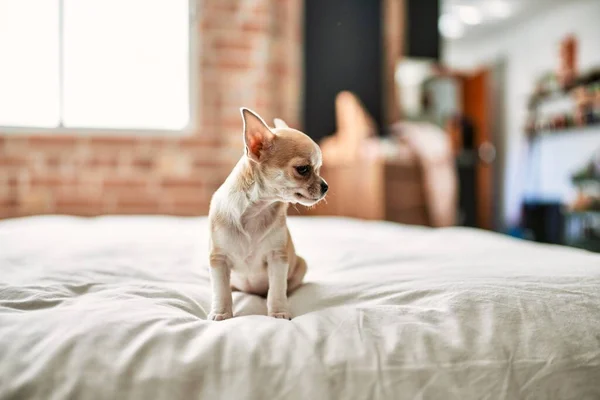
(257, 135)
(279, 123)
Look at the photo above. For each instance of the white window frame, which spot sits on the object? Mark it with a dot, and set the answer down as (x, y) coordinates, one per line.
(193, 93)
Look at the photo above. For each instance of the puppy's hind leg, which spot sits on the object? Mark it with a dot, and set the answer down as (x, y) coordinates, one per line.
(296, 279)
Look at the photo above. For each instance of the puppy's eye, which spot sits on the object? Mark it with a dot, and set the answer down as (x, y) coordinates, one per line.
(303, 170)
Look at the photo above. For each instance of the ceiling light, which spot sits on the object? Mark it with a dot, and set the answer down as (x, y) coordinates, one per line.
(497, 9)
(469, 15)
(450, 26)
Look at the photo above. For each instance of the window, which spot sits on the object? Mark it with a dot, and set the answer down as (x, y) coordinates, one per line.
(106, 64)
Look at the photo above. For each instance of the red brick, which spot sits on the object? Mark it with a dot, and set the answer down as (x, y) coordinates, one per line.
(12, 181)
(176, 194)
(143, 162)
(236, 43)
(232, 122)
(80, 210)
(9, 201)
(222, 5)
(156, 141)
(125, 182)
(73, 201)
(143, 203)
(210, 24)
(190, 210)
(103, 161)
(263, 104)
(279, 68)
(183, 182)
(114, 141)
(10, 212)
(12, 161)
(140, 210)
(213, 177)
(265, 85)
(209, 163)
(214, 174)
(53, 180)
(200, 141)
(53, 161)
(261, 10)
(236, 64)
(143, 200)
(228, 124)
(189, 203)
(255, 27)
(52, 140)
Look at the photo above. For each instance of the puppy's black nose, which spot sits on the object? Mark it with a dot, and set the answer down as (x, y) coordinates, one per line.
(324, 187)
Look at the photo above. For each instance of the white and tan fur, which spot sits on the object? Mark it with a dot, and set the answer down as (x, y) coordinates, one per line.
(251, 249)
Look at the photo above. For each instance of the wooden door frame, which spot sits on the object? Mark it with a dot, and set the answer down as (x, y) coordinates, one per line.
(476, 106)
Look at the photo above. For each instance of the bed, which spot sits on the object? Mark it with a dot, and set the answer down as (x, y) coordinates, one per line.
(115, 308)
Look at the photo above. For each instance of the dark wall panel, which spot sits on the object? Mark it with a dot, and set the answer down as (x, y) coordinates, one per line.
(343, 51)
(422, 35)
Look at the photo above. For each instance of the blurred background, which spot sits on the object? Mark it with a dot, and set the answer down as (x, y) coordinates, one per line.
(480, 113)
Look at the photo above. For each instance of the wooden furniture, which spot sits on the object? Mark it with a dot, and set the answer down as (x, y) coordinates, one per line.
(375, 190)
(362, 183)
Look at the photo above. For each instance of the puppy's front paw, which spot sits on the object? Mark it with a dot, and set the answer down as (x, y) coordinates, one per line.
(219, 316)
(280, 314)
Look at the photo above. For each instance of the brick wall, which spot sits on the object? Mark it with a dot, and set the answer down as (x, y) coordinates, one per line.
(248, 55)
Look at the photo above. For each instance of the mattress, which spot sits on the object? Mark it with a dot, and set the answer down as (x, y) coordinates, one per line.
(115, 308)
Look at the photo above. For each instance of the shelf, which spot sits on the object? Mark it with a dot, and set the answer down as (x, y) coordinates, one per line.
(567, 131)
(585, 244)
(587, 213)
(535, 101)
(583, 80)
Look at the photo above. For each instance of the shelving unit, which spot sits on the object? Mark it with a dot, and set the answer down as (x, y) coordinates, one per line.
(582, 230)
(574, 106)
(563, 128)
(545, 95)
(553, 158)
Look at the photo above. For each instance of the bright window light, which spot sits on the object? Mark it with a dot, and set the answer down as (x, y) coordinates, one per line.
(29, 64)
(105, 64)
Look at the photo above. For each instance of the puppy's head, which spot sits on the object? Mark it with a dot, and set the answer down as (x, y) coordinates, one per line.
(287, 160)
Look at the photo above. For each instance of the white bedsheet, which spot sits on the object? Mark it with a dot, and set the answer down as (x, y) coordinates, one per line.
(115, 308)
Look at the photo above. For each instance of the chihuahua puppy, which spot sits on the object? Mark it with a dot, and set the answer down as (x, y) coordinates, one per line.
(251, 249)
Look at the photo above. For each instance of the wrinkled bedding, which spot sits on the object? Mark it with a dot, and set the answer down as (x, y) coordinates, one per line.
(115, 308)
